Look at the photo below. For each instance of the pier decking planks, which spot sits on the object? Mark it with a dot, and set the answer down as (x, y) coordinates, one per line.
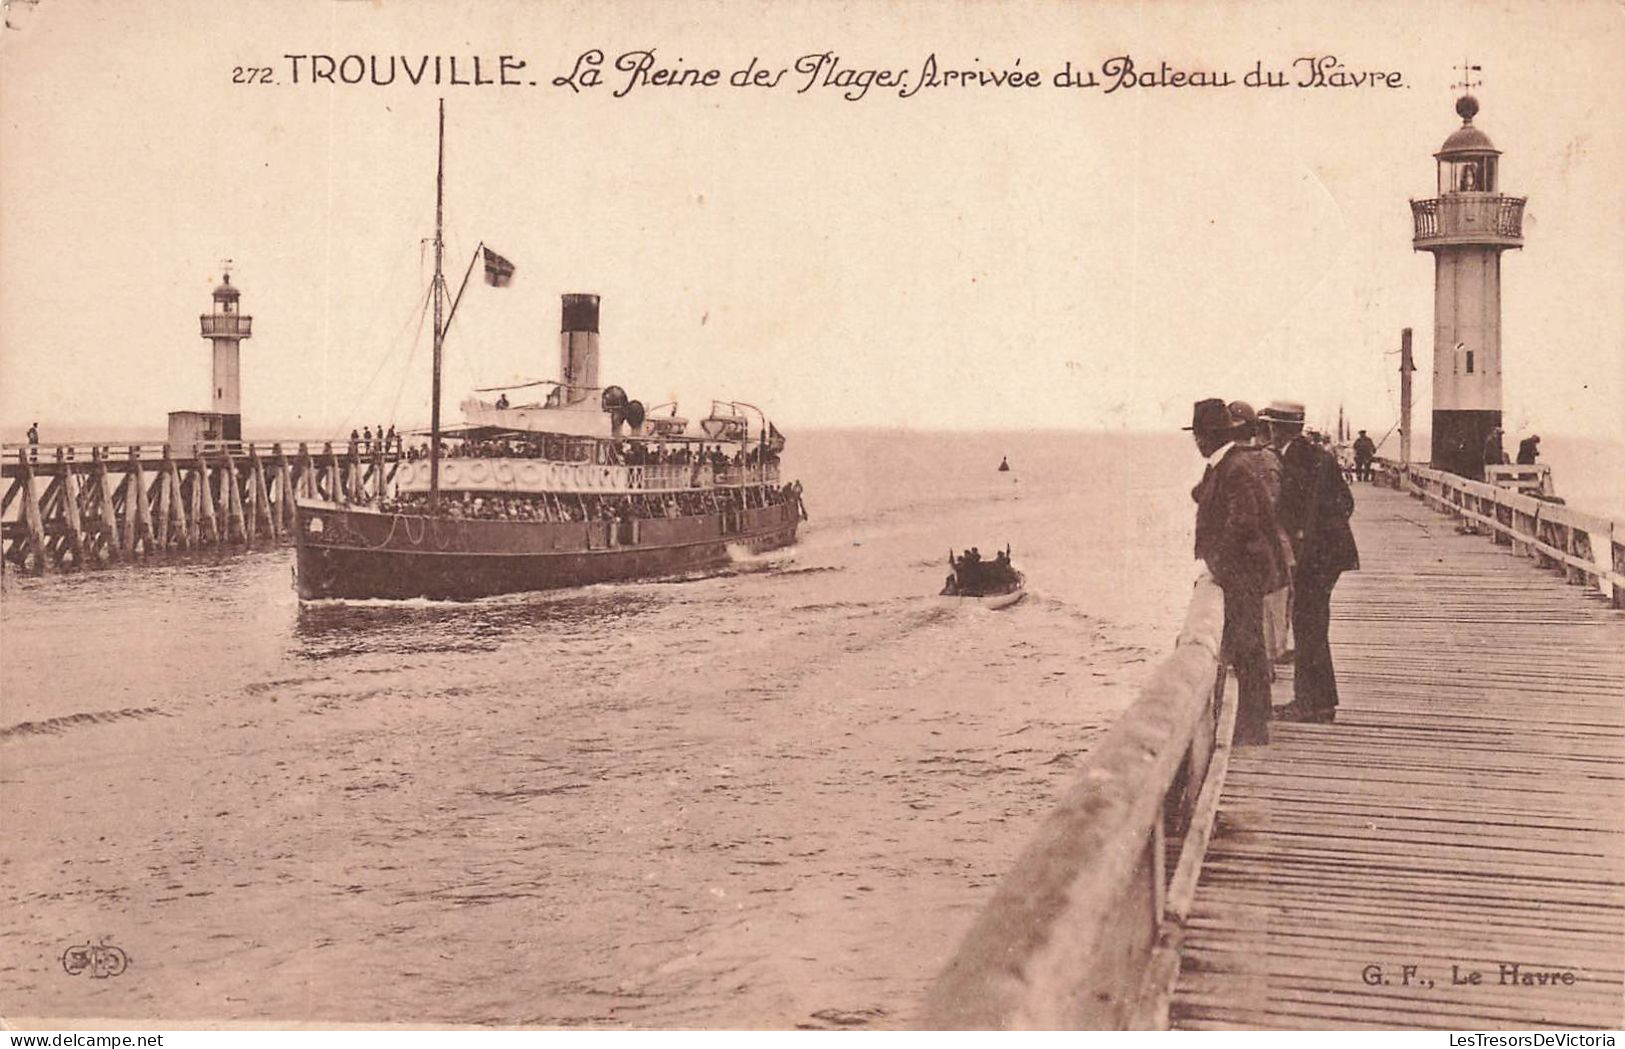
(1466, 810)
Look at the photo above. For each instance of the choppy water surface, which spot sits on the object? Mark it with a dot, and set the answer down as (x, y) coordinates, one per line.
(768, 797)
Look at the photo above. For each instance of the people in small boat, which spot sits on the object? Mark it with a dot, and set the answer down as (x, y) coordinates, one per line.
(502, 400)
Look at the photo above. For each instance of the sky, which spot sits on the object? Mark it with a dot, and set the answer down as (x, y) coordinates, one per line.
(963, 258)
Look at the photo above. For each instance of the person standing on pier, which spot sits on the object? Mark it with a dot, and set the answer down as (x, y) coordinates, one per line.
(1315, 508)
(1236, 538)
(1267, 465)
(1529, 450)
(1494, 454)
(1365, 450)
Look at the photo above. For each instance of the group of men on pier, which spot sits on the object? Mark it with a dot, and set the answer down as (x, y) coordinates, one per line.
(1272, 530)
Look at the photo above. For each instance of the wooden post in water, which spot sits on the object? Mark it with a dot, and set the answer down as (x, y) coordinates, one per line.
(31, 516)
(284, 484)
(108, 504)
(70, 512)
(262, 494)
(231, 499)
(182, 529)
(335, 487)
(352, 489)
(378, 467)
(307, 472)
(165, 512)
(139, 514)
(203, 507)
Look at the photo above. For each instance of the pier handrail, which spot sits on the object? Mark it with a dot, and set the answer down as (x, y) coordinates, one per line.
(1083, 932)
(1587, 548)
(154, 451)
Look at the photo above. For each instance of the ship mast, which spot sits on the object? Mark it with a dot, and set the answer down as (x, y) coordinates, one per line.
(438, 290)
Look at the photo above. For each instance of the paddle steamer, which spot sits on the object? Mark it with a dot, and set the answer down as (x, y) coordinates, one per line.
(585, 486)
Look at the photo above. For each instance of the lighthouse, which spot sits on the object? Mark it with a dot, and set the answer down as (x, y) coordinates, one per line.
(1467, 227)
(225, 329)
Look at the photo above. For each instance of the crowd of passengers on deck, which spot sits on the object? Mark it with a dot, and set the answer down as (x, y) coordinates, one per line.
(618, 453)
(551, 506)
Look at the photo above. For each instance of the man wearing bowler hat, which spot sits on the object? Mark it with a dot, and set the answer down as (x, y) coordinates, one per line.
(1236, 538)
(1315, 508)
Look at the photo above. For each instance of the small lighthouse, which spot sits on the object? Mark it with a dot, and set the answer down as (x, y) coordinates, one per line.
(1467, 227)
(225, 328)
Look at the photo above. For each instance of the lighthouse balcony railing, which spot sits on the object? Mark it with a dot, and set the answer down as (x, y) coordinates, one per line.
(1468, 218)
(223, 325)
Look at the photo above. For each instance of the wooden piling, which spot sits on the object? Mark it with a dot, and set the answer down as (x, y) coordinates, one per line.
(70, 513)
(335, 486)
(285, 489)
(138, 512)
(352, 487)
(181, 527)
(107, 506)
(203, 506)
(306, 470)
(31, 515)
(161, 525)
(262, 495)
(231, 500)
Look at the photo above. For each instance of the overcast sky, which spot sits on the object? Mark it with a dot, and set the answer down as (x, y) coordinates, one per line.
(965, 258)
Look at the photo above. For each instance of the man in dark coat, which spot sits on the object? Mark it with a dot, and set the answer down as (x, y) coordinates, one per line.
(1315, 508)
(1236, 537)
(1365, 450)
(1529, 450)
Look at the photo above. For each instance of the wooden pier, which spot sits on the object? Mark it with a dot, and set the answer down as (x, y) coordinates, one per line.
(1465, 814)
(74, 506)
(1450, 854)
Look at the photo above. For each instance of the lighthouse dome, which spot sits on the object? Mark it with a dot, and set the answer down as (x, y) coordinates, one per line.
(226, 290)
(1467, 139)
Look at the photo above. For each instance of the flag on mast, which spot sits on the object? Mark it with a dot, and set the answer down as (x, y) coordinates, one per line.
(498, 270)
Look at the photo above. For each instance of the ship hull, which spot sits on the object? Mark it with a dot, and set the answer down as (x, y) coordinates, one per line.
(360, 554)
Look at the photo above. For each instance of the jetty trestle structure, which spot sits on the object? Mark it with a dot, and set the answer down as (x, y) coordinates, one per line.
(1449, 854)
(71, 506)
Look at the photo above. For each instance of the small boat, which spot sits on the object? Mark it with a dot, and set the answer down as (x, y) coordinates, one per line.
(990, 583)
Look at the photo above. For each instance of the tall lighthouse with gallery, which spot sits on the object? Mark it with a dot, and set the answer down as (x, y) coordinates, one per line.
(225, 327)
(1467, 227)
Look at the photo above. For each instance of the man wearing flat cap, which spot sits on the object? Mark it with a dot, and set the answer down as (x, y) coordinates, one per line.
(1236, 537)
(1315, 508)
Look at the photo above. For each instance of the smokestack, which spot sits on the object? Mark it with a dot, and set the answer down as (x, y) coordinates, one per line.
(578, 347)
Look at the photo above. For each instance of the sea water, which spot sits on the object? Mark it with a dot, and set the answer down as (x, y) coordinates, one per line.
(773, 795)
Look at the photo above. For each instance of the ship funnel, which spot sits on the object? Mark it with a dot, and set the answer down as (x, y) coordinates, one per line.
(578, 347)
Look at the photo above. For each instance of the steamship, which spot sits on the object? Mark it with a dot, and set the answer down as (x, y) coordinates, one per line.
(584, 486)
